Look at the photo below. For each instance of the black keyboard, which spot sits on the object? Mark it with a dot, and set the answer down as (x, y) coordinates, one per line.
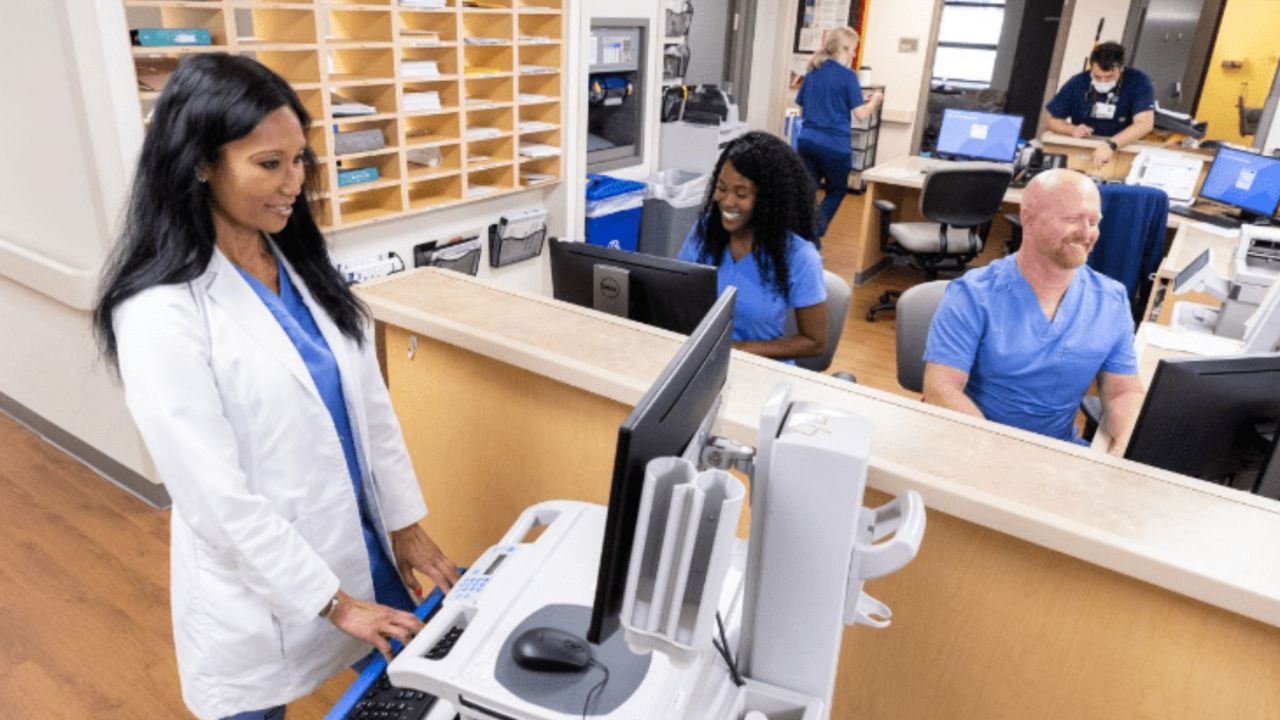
(384, 701)
(1222, 221)
(442, 647)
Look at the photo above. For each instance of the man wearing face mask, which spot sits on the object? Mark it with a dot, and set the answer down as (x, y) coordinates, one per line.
(1113, 102)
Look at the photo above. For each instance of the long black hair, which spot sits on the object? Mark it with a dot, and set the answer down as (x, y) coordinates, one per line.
(168, 236)
(783, 205)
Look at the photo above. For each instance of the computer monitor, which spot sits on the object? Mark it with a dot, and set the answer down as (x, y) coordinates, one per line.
(1244, 180)
(1215, 419)
(662, 424)
(973, 135)
(658, 291)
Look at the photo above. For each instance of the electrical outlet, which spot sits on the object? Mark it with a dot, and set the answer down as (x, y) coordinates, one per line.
(370, 267)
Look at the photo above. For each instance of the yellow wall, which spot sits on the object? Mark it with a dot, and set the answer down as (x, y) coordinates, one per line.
(1248, 34)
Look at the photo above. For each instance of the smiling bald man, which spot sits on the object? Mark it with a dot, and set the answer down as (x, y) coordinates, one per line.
(1019, 341)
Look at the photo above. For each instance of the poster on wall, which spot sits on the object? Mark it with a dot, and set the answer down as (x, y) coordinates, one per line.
(815, 17)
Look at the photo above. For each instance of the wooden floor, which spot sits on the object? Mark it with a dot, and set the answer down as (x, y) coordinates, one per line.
(84, 568)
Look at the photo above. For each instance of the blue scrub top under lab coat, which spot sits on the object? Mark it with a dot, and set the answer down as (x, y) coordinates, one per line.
(291, 311)
(1024, 369)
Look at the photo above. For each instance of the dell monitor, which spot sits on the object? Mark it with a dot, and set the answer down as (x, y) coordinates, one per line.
(973, 135)
(1244, 180)
(1215, 419)
(670, 294)
(662, 424)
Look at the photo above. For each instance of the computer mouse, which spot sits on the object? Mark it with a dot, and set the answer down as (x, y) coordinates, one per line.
(547, 649)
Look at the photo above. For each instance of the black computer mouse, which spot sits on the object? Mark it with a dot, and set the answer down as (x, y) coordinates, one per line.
(547, 649)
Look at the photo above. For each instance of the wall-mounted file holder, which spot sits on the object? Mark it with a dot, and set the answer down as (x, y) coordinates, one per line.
(517, 237)
(460, 254)
(683, 543)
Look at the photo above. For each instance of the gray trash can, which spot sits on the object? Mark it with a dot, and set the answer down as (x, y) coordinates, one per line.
(672, 203)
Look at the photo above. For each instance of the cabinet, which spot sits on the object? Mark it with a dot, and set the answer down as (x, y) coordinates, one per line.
(864, 138)
(467, 94)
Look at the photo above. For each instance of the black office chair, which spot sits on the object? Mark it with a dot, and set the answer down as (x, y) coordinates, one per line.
(960, 199)
(911, 333)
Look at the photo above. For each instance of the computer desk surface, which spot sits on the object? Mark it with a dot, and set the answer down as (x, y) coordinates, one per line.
(1093, 560)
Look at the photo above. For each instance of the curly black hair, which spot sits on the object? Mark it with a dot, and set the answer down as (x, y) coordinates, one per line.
(783, 205)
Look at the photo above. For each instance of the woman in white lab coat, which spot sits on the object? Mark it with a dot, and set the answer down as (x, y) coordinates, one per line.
(249, 368)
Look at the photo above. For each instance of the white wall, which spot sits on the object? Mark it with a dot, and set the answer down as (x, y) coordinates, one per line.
(1084, 26)
(902, 73)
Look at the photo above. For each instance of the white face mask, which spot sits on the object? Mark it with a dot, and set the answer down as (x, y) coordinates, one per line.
(1104, 87)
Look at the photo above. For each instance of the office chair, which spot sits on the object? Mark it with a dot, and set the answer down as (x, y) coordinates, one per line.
(960, 199)
(915, 313)
(1249, 117)
(839, 297)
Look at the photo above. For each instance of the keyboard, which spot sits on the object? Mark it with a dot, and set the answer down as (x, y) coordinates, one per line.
(1222, 221)
(384, 701)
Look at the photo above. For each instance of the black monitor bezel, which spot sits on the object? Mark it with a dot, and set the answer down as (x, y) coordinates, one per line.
(696, 375)
(701, 279)
(1217, 154)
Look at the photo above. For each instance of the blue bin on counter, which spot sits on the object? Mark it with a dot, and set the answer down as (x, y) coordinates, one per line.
(613, 212)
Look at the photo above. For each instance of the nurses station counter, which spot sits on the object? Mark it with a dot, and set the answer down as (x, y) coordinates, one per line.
(1053, 582)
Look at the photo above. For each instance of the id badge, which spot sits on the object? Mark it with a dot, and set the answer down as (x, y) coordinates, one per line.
(1104, 111)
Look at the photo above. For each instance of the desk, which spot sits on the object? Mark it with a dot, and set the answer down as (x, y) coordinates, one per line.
(900, 180)
(1053, 582)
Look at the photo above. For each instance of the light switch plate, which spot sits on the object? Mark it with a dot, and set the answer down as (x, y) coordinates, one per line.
(908, 45)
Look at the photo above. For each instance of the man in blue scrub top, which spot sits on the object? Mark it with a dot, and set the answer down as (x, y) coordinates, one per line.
(1110, 101)
(1018, 341)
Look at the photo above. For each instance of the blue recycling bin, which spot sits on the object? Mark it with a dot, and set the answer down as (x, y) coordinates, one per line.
(613, 212)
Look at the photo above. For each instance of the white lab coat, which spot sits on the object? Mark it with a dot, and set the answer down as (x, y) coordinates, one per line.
(265, 527)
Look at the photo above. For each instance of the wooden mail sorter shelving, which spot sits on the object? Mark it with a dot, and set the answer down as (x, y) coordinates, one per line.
(496, 67)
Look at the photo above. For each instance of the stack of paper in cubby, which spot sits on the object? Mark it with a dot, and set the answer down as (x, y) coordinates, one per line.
(533, 98)
(474, 40)
(538, 150)
(529, 126)
(431, 4)
(482, 133)
(419, 68)
(344, 107)
(428, 156)
(538, 69)
(421, 101)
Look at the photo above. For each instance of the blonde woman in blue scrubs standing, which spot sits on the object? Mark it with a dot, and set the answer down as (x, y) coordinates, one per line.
(829, 93)
(249, 369)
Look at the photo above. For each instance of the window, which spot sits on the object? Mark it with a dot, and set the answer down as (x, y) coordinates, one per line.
(967, 40)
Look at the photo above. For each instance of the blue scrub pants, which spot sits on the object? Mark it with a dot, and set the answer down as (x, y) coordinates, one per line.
(830, 169)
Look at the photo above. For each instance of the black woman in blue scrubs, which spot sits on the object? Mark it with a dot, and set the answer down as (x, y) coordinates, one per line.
(1111, 102)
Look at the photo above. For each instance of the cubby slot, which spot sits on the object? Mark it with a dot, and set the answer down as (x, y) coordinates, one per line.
(210, 19)
(312, 102)
(431, 130)
(495, 27)
(489, 182)
(260, 25)
(350, 66)
(369, 205)
(489, 90)
(539, 28)
(295, 66)
(422, 28)
(539, 56)
(318, 139)
(387, 128)
(414, 62)
(542, 88)
(488, 60)
(539, 172)
(439, 191)
(445, 90)
(547, 112)
(426, 162)
(359, 26)
(380, 3)
(500, 119)
(541, 5)
(382, 98)
(386, 164)
(482, 154)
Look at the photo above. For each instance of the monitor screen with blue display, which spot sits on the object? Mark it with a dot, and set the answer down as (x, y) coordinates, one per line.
(972, 135)
(1244, 180)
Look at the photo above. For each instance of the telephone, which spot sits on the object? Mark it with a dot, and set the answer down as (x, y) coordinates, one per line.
(1033, 161)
